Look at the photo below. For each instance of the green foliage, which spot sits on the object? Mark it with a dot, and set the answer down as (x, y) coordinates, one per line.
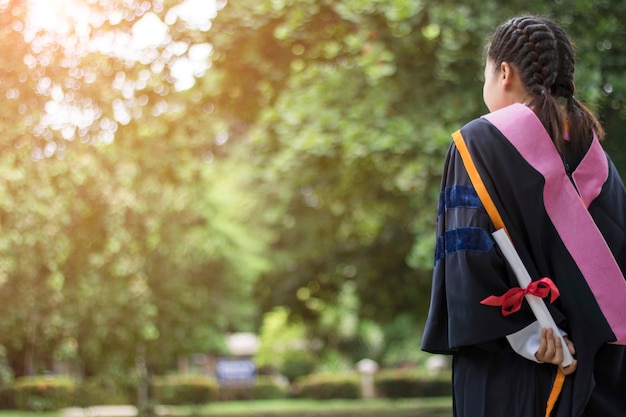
(368, 156)
(401, 341)
(334, 361)
(329, 386)
(284, 346)
(43, 393)
(115, 232)
(184, 389)
(411, 383)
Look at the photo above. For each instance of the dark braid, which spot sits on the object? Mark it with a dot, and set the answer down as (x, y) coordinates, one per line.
(581, 120)
(543, 54)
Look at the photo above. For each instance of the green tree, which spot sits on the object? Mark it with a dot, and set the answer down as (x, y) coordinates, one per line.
(123, 231)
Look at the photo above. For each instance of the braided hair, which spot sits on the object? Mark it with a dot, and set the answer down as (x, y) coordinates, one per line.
(544, 56)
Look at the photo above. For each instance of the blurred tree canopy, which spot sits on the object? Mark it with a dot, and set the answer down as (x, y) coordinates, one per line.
(159, 190)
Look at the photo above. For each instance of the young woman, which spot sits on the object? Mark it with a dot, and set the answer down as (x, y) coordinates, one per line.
(533, 166)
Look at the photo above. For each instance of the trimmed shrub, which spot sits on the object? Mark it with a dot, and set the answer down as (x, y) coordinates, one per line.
(104, 391)
(297, 364)
(265, 388)
(184, 389)
(234, 393)
(44, 393)
(329, 386)
(410, 383)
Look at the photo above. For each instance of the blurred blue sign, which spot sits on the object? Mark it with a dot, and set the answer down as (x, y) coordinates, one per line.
(235, 372)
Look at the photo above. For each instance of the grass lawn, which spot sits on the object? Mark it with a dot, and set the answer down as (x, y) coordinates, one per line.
(423, 407)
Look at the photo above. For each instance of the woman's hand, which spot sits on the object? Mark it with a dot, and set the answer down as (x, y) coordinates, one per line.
(551, 351)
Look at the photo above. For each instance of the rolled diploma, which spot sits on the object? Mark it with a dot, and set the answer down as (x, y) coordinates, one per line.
(536, 304)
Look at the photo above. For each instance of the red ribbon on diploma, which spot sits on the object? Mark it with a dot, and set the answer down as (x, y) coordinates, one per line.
(511, 301)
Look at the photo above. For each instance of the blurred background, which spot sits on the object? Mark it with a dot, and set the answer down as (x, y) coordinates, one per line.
(174, 174)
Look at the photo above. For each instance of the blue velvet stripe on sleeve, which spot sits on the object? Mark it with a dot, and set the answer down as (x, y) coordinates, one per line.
(460, 239)
(473, 239)
(459, 196)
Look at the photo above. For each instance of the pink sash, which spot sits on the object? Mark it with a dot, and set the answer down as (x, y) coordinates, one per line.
(568, 210)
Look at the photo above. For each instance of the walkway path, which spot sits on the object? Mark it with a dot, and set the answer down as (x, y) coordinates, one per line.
(101, 411)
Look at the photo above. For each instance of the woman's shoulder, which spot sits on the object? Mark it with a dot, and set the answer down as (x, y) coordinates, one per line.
(503, 121)
(477, 128)
(477, 123)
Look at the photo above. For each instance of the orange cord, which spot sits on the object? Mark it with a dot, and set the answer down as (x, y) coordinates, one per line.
(557, 386)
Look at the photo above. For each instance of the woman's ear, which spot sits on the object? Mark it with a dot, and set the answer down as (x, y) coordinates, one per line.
(507, 75)
(512, 84)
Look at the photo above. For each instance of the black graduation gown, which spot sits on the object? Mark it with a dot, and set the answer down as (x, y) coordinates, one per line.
(527, 182)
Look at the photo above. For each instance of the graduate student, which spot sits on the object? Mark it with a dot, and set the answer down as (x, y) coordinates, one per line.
(534, 167)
